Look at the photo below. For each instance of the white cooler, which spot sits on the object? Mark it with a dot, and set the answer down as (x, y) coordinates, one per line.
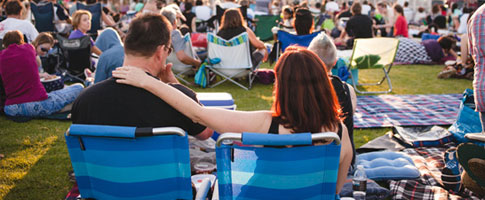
(218, 100)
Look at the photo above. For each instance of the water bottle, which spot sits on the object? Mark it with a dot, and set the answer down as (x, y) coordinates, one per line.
(359, 183)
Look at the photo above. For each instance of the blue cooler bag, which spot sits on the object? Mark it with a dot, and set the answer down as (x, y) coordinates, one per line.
(468, 121)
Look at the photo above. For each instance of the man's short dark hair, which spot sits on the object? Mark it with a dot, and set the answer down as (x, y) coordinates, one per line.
(356, 8)
(146, 33)
(13, 7)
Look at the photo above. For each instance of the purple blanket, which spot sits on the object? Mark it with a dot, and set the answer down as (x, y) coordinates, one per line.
(406, 110)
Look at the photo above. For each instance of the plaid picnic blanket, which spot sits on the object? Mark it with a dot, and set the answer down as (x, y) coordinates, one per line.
(406, 110)
(429, 161)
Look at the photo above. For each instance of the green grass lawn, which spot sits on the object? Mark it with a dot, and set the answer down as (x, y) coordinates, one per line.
(36, 161)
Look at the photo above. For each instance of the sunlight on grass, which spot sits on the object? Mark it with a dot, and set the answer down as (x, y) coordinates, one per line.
(18, 164)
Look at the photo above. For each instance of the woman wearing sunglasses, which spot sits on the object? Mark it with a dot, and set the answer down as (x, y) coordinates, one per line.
(25, 94)
(42, 44)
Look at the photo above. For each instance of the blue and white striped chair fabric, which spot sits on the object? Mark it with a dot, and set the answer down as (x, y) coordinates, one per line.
(178, 67)
(287, 39)
(299, 172)
(235, 58)
(113, 162)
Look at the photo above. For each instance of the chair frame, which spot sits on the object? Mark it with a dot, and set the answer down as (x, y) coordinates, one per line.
(385, 77)
(251, 70)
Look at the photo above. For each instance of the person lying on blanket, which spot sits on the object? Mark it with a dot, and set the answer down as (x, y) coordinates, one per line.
(305, 101)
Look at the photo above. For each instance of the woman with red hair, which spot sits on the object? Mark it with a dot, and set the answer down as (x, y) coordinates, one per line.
(304, 102)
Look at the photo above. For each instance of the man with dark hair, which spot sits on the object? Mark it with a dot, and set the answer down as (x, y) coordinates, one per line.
(14, 21)
(147, 45)
(358, 26)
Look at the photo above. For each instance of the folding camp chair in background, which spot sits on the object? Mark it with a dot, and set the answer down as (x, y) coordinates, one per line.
(264, 25)
(180, 69)
(44, 16)
(304, 171)
(77, 52)
(114, 162)
(286, 39)
(235, 58)
(373, 53)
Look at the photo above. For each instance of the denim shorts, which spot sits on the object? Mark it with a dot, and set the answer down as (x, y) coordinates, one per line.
(55, 102)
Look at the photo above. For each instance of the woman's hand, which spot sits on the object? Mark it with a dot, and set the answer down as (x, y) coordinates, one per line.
(132, 76)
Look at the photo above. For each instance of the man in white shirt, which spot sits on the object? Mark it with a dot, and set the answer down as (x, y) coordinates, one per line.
(331, 6)
(365, 8)
(14, 21)
(408, 12)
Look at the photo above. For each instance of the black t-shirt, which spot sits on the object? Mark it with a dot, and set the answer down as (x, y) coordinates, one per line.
(345, 14)
(343, 94)
(359, 26)
(111, 103)
(189, 16)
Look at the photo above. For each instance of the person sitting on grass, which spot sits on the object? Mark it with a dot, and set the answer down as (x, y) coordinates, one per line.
(113, 54)
(26, 96)
(42, 43)
(304, 101)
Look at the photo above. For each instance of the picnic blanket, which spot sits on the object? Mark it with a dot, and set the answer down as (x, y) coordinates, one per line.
(406, 110)
(429, 161)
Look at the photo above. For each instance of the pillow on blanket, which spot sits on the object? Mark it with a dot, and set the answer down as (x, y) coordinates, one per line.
(386, 165)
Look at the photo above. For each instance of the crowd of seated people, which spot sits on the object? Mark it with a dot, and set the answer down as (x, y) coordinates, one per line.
(323, 104)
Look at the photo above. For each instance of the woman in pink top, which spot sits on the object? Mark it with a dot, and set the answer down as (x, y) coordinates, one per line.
(401, 25)
(25, 94)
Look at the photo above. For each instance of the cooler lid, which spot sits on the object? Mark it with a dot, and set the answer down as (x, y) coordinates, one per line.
(215, 98)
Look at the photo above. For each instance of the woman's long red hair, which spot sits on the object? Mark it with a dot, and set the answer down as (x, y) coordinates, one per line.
(305, 100)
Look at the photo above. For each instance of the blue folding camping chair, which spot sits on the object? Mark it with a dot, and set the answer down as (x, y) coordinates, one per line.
(286, 39)
(44, 16)
(95, 10)
(304, 171)
(114, 162)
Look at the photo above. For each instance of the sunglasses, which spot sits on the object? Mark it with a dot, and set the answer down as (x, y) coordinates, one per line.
(168, 49)
(44, 49)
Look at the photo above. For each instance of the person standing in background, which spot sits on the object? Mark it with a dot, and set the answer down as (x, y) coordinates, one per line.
(476, 42)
